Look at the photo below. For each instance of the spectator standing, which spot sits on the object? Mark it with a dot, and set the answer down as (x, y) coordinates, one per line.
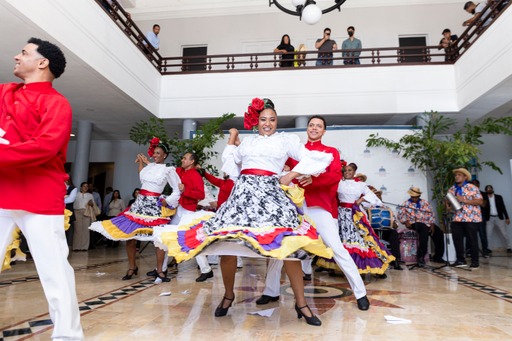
(476, 10)
(351, 43)
(448, 43)
(495, 215)
(481, 226)
(152, 37)
(325, 47)
(285, 47)
(106, 200)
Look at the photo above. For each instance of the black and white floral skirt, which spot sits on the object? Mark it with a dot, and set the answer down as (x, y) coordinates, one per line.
(259, 213)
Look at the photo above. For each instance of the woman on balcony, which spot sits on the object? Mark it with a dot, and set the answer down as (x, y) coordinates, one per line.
(287, 49)
(258, 219)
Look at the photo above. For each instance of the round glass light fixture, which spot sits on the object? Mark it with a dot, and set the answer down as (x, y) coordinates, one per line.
(307, 9)
(311, 14)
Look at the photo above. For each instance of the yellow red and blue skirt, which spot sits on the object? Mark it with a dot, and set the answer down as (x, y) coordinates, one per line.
(361, 241)
(138, 220)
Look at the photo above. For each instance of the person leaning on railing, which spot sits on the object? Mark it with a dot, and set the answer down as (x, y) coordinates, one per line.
(287, 49)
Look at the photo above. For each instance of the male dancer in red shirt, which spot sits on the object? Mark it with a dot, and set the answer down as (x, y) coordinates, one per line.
(322, 207)
(37, 124)
(192, 191)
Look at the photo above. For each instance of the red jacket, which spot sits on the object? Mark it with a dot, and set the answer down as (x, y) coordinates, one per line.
(194, 188)
(37, 121)
(322, 191)
(225, 187)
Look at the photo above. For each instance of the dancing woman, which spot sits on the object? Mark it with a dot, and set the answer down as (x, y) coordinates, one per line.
(149, 210)
(258, 219)
(358, 237)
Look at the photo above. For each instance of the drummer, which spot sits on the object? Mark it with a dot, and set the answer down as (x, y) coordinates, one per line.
(387, 233)
(417, 214)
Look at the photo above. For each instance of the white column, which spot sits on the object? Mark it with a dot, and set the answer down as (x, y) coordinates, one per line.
(188, 126)
(83, 147)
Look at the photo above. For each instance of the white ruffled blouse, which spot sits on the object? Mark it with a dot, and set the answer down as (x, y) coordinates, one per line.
(349, 191)
(270, 153)
(155, 176)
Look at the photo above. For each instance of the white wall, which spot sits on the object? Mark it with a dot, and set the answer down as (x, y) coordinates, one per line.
(499, 150)
(122, 154)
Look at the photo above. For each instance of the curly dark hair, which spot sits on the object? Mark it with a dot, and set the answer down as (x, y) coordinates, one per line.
(51, 52)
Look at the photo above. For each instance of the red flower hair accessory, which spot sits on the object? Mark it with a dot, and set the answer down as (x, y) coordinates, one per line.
(153, 143)
(251, 117)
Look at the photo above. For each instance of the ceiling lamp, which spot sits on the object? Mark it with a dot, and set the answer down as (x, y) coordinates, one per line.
(307, 10)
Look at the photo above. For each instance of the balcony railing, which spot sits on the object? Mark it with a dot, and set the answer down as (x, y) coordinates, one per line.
(378, 56)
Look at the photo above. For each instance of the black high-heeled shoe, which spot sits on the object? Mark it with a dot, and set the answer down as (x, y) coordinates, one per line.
(130, 273)
(163, 277)
(312, 320)
(221, 311)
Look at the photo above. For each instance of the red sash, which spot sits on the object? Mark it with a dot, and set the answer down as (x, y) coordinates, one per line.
(346, 204)
(148, 193)
(254, 171)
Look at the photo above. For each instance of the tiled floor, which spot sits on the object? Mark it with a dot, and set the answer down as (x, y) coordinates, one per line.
(443, 304)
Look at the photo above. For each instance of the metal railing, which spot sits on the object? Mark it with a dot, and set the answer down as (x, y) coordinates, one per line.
(239, 62)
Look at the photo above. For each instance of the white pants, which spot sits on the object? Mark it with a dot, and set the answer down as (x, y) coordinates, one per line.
(200, 259)
(502, 227)
(327, 228)
(49, 249)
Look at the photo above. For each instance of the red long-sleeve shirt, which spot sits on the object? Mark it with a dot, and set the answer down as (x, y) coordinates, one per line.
(194, 188)
(322, 191)
(225, 187)
(37, 122)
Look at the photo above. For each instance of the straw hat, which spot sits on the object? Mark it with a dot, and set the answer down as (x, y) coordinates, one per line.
(463, 171)
(414, 191)
(361, 176)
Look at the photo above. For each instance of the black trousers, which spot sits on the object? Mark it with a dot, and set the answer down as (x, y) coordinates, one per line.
(437, 236)
(391, 236)
(470, 230)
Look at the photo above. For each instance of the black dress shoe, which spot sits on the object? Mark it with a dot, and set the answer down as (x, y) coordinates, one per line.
(307, 277)
(396, 265)
(205, 276)
(363, 303)
(264, 299)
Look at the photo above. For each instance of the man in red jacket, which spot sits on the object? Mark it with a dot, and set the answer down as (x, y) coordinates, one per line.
(322, 207)
(192, 191)
(37, 124)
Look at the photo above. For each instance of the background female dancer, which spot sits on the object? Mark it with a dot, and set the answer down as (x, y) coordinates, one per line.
(148, 210)
(358, 237)
(258, 215)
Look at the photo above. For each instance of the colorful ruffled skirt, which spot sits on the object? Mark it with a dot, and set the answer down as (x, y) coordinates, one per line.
(137, 221)
(259, 216)
(363, 245)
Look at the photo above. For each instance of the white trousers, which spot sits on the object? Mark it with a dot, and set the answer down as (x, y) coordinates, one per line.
(502, 227)
(200, 259)
(327, 227)
(49, 249)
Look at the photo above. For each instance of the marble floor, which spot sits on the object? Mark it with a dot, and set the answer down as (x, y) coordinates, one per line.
(442, 304)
